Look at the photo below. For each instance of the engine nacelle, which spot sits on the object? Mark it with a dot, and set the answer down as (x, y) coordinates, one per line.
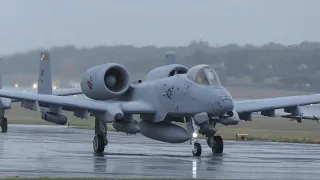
(105, 81)
(54, 118)
(232, 120)
(166, 71)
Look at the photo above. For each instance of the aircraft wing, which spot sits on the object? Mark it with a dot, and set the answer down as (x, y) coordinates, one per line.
(74, 104)
(57, 92)
(290, 104)
(67, 92)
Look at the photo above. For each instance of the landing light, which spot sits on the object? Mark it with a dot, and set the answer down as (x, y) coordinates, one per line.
(194, 135)
(35, 85)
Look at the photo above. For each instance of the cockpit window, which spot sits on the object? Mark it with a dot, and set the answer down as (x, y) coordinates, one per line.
(201, 78)
(207, 76)
(211, 76)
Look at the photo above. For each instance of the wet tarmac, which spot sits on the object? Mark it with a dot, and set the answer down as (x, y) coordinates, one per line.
(44, 151)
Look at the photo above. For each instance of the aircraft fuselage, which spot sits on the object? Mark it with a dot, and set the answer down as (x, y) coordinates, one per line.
(178, 96)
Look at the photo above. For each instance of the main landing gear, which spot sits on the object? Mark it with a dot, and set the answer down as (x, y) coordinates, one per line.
(100, 139)
(3, 121)
(4, 124)
(216, 144)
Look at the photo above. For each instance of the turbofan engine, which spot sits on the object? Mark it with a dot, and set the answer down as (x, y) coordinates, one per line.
(105, 81)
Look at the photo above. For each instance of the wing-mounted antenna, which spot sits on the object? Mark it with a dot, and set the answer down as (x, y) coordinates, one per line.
(45, 80)
(170, 58)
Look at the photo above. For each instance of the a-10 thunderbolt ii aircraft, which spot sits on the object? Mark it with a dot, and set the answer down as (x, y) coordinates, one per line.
(170, 93)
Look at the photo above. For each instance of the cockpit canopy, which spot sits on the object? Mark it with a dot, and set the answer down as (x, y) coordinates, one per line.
(203, 74)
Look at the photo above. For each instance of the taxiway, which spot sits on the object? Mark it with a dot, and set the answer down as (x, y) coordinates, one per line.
(55, 151)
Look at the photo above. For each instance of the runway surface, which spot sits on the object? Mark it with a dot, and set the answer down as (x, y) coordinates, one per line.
(44, 151)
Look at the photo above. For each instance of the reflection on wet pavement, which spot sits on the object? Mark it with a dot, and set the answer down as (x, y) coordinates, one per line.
(45, 151)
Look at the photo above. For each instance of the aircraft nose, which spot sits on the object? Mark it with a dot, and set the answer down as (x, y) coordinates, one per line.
(226, 103)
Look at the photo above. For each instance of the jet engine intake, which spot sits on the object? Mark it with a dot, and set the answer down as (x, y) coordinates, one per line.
(230, 120)
(54, 118)
(105, 81)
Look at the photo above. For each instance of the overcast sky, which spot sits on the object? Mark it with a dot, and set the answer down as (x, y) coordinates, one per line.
(32, 24)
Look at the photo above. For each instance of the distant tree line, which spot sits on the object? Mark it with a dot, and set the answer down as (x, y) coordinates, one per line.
(293, 64)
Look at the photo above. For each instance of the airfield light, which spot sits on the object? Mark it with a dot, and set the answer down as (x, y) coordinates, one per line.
(35, 85)
(16, 85)
(54, 87)
(194, 135)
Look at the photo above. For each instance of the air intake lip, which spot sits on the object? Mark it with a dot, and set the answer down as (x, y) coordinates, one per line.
(114, 79)
(105, 81)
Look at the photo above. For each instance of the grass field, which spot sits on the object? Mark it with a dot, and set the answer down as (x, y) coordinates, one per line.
(261, 128)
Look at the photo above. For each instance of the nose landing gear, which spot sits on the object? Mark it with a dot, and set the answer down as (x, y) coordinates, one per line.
(214, 142)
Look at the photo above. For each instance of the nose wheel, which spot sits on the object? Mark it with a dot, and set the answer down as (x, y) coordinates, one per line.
(197, 150)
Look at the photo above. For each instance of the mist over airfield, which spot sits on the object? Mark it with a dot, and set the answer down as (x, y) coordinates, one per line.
(282, 35)
(29, 25)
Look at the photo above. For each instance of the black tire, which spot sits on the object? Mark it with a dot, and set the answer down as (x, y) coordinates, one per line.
(4, 125)
(217, 147)
(196, 149)
(98, 143)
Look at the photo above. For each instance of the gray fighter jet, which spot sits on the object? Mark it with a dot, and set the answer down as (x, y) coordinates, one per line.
(169, 94)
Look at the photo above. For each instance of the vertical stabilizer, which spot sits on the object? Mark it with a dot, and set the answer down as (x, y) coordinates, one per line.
(170, 58)
(45, 80)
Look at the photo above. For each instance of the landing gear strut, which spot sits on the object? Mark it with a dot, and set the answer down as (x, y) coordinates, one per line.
(100, 139)
(4, 124)
(3, 121)
(196, 146)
